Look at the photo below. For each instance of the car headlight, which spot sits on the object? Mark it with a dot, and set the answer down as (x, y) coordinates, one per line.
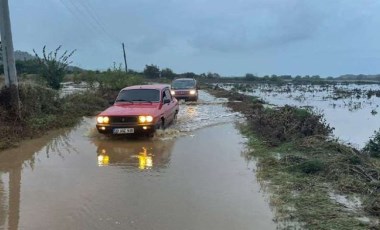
(192, 92)
(103, 120)
(172, 92)
(145, 119)
(149, 118)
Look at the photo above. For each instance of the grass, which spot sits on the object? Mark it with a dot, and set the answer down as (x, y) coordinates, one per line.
(42, 108)
(299, 186)
(302, 167)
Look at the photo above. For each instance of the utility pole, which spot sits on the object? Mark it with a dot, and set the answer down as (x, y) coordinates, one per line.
(10, 73)
(7, 46)
(125, 59)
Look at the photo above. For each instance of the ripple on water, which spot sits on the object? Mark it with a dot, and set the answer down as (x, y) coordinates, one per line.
(208, 111)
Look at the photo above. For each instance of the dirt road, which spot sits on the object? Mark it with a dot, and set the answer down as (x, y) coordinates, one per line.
(192, 176)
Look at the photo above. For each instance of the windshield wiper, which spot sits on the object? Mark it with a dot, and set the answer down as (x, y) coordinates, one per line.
(123, 100)
(143, 100)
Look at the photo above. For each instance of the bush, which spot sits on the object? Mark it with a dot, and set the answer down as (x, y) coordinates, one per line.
(53, 67)
(288, 123)
(38, 100)
(83, 104)
(42, 109)
(111, 80)
(373, 145)
(311, 166)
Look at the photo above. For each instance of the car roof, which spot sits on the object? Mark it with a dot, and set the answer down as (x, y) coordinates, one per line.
(154, 86)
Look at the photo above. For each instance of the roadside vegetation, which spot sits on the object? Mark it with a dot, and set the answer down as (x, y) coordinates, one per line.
(42, 105)
(315, 182)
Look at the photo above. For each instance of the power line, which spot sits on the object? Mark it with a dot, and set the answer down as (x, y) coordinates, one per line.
(72, 8)
(90, 12)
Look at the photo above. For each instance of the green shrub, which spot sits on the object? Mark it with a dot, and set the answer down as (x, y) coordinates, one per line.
(42, 122)
(83, 104)
(52, 66)
(311, 166)
(38, 100)
(373, 145)
(111, 80)
(288, 123)
(116, 80)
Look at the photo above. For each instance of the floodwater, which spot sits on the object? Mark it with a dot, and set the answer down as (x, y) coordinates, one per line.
(191, 176)
(354, 118)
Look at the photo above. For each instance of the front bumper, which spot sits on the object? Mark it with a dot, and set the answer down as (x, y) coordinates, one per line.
(189, 97)
(185, 95)
(138, 128)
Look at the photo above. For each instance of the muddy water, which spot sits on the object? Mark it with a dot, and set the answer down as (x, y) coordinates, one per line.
(192, 176)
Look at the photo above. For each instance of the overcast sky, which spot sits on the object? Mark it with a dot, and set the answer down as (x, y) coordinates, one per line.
(231, 38)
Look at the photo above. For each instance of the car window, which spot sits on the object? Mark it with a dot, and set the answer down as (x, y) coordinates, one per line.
(183, 84)
(151, 95)
(169, 95)
(166, 95)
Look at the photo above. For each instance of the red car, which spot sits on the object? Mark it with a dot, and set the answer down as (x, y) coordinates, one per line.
(140, 109)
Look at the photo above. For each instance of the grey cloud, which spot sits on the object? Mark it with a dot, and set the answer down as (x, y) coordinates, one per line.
(257, 28)
(190, 35)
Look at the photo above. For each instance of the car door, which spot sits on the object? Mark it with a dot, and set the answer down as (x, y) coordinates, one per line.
(169, 108)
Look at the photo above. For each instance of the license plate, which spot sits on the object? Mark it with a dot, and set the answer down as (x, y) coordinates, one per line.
(123, 130)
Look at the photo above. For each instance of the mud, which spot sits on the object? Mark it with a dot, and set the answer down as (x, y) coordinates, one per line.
(191, 176)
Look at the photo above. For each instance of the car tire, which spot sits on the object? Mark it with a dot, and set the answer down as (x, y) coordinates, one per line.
(161, 126)
(175, 118)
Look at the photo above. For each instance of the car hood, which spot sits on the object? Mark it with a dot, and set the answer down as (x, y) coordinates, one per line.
(136, 109)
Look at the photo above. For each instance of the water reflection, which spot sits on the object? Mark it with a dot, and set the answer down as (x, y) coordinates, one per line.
(142, 155)
(12, 163)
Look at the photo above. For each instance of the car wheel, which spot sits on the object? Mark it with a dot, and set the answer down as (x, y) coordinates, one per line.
(175, 118)
(161, 126)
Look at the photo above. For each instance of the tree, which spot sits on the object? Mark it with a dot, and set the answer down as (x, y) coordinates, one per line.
(286, 77)
(188, 75)
(152, 71)
(52, 66)
(27, 67)
(250, 77)
(213, 75)
(202, 75)
(168, 73)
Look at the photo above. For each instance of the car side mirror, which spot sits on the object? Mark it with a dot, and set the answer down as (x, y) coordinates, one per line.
(166, 101)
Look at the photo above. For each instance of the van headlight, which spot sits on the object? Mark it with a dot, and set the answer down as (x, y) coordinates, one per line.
(192, 92)
(172, 92)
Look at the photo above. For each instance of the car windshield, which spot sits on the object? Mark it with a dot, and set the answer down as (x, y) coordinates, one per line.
(183, 84)
(133, 95)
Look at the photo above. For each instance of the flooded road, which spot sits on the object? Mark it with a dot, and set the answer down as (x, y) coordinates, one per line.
(191, 176)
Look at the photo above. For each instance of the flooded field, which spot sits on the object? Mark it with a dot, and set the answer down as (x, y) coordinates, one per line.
(193, 175)
(353, 110)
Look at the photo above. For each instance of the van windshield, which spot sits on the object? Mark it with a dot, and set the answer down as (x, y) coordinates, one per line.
(183, 84)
